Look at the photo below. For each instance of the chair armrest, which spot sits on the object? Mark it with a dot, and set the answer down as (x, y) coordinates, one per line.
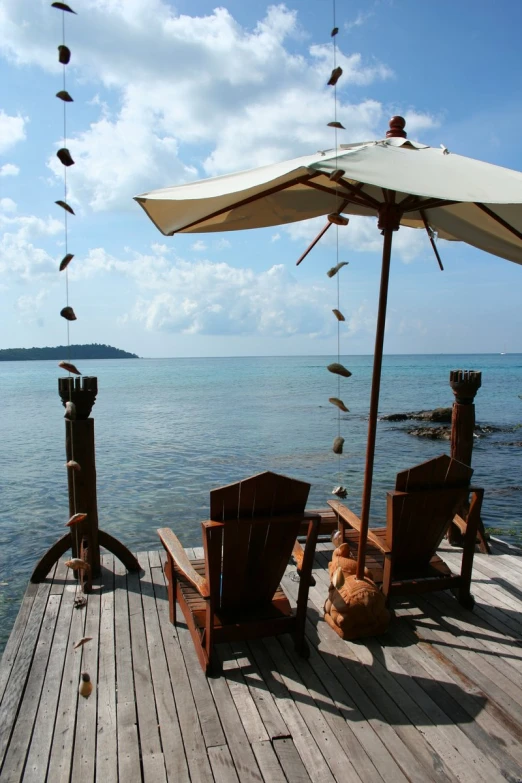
(298, 555)
(353, 520)
(175, 550)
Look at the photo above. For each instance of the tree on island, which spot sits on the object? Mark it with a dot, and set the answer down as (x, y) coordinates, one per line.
(74, 352)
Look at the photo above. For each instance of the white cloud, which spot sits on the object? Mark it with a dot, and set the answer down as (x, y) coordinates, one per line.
(12, 130)
(203, 297)
(7, 205)
(198, 246)
(9, 170)
(190, 88)
(20, 257)
(29, 307)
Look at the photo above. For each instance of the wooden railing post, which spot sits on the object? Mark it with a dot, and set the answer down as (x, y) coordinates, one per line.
(465, 385)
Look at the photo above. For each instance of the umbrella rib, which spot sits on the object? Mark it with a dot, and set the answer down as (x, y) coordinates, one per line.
(500, 220)
(322, 232)
(430, 235)
(356, 190)
(276, 189)
(430, 203)
(353, 198)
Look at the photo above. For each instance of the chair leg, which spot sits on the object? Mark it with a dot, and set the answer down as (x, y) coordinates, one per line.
(170, 575)
(301, 645)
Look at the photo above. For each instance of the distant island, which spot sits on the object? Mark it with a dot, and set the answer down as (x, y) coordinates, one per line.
(91, 351)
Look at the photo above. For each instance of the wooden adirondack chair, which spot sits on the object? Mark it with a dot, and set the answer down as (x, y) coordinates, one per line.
(234, 592)
(402, 556)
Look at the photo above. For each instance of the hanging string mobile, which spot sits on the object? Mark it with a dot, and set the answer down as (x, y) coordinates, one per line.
(64, 156)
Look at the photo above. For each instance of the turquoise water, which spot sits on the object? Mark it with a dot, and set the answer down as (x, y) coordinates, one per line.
(168, 430)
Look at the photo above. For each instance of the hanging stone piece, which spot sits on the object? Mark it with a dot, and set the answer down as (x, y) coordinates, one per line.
(64, 54)
(339, 403)
(336, 175)
(65, 206)
(336, 125)
(334, 31)
(73, 465)
(340, 492)
(77, 564)
(335, 76)
(68, 313)
(63, 95)
(66, 260)
(70, 411)
(75, 520)
(339, 369)
(339, 315)
(339, 220)
(85, 688)
(69, 367)
(333, 271)
(337, 447)
(64, 156)
(63, 7)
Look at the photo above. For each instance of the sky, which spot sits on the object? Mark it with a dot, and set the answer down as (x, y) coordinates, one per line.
(166, 93)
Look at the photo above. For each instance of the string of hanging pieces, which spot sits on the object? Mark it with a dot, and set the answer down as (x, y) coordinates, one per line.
(337, 219)
(67, 312)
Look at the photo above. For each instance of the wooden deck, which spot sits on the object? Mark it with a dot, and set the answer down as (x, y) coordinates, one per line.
(439, 698)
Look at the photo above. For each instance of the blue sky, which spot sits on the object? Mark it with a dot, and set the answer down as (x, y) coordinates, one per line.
(165, 93)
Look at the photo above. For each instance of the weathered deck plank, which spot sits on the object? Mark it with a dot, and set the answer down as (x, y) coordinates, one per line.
(438, 698)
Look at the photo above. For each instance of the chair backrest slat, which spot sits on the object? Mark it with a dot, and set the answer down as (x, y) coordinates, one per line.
(418, 519)
(262, 520)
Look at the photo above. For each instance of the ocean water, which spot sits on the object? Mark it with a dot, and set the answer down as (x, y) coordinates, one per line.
(169, 430)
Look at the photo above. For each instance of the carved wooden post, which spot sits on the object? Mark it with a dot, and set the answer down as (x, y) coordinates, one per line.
(465, 384)
(79, 446)
(84, 538)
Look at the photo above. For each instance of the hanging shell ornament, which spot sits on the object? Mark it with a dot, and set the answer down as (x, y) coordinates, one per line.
(64, 54)
(70, 411)
(64, 156)
(336, 124)
(337, 175)
(339, 403)
(63, 7)
(339, 220)
(65, 206)
(66, 260)
(85, 688)
(73, 465)
(341, 492)
(76, 564)
(336, 538)
(339, 315)
(339, 369)
(82, 642)
(69, 367)
(63, 95)
(338, 578)
(338, 443)
(68, 313)
(75, 520)
(333, 271)
(335, 76)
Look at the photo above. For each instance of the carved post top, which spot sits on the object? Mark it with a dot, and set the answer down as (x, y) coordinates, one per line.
(465, 384)
(81, 391)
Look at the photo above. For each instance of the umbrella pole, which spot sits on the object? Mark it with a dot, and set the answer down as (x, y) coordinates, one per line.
(389, 218)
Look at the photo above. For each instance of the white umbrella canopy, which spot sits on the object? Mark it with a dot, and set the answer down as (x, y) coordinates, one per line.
(460, 198)
(401, 182)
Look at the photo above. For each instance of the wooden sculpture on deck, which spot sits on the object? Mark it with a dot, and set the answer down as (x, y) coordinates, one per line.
(234, 592)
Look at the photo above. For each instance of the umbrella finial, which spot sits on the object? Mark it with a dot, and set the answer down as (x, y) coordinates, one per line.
(397, 125)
